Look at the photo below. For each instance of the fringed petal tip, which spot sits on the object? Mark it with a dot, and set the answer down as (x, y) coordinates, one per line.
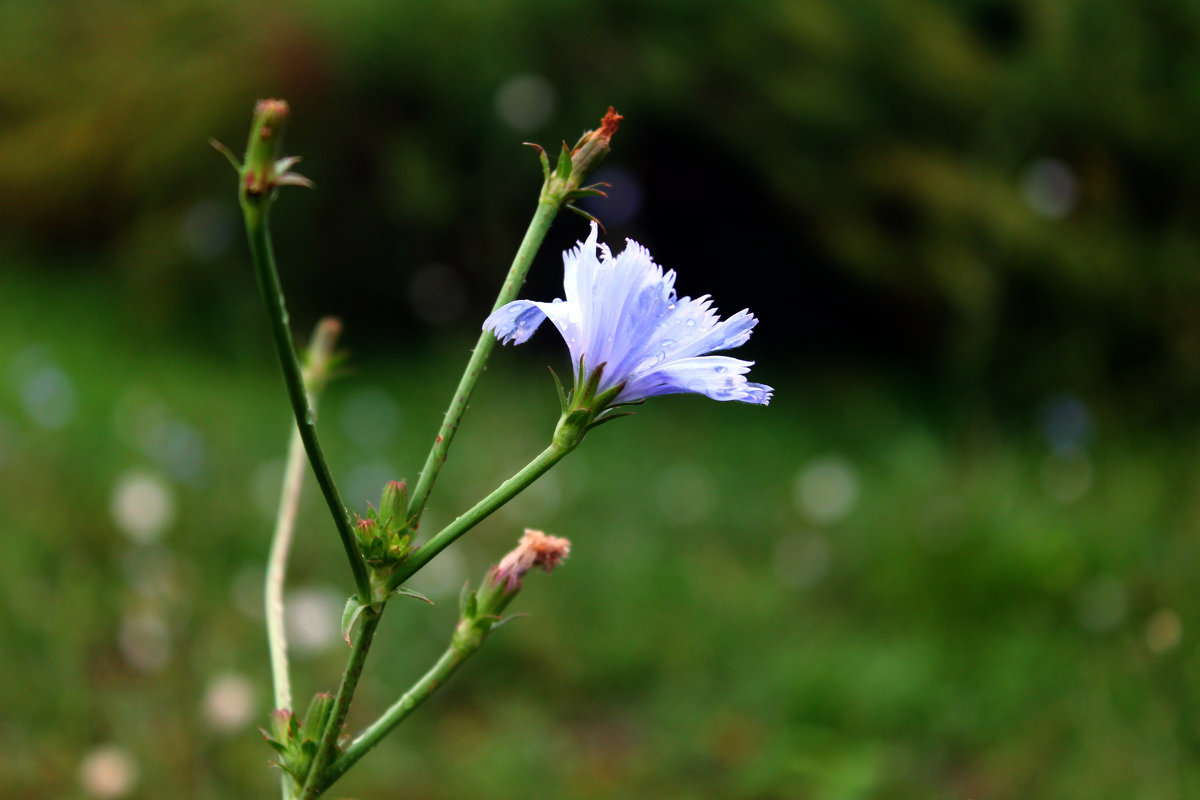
(758, 394)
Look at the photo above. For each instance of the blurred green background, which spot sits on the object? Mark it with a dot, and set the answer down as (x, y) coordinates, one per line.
(955, 558)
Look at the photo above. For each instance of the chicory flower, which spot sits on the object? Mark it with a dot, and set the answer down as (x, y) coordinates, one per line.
(621, 316)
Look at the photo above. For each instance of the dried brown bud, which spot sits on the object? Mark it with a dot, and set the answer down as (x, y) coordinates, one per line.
(535, 549)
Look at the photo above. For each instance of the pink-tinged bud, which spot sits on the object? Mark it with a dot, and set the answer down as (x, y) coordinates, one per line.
(263, 171)
(535, 549)
(262, 148)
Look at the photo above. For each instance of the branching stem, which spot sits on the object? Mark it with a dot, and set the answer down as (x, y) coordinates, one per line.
(254, 210)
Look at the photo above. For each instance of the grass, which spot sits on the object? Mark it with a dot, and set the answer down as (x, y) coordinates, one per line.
(842, 596)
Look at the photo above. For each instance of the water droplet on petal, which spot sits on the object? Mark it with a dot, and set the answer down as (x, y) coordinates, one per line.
(667, 344)
(691, 323)
(720, 369)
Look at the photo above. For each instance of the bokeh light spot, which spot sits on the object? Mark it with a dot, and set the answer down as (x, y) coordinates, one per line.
(826, 489)
(229, 703)
(1164, 631)
(313, 617)
(1066, 476)
(1065, 422)
(525, 102)
(142, 506)
(145, 641)
(48, 397)
(1049, 188)
(108, 772)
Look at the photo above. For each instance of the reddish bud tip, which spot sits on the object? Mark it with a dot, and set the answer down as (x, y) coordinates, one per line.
(609, 125)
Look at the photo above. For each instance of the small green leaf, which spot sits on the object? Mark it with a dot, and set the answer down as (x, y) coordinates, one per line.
(350, 613)
(225, 151)
(410, 593)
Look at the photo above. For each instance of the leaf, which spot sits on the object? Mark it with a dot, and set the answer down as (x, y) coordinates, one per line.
(350, 613)
(411, 593)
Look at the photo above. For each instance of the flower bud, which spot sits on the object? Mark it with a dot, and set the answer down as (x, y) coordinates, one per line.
(262, 148)
(593, 146)
(262, 172)
(564, 184)
(318, 715)
(393, 506)
(503, 582)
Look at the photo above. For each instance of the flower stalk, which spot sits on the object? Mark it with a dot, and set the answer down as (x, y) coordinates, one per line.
(480, 612)
(260, 176)
(317, 780)
(315, 374)
(559, 189)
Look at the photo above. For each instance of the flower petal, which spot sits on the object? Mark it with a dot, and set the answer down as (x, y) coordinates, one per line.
(515, 322)
(718, 377)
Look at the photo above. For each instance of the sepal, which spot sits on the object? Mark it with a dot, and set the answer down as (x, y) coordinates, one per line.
(296, 742)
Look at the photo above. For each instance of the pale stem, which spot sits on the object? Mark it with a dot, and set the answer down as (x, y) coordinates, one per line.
(316, 372)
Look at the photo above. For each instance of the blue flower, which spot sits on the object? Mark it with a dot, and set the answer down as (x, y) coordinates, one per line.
(621, 314)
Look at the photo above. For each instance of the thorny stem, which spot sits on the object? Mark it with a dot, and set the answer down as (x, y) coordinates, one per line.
(254, 209)
(542, 219)
(316, 783)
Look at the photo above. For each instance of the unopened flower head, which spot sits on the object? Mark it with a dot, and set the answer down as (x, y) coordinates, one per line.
(621, 313)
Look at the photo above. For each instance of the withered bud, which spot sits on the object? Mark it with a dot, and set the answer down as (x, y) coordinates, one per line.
(593, 146)
(535, 549)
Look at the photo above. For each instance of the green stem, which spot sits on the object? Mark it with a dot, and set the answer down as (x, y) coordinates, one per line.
(547, 208)
(480, 511)
(419, 693)
(254, 210)
(316, 782)
(320, 353)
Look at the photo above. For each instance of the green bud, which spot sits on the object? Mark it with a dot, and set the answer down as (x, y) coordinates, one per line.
(565, 183)
(393, 506)
(263, 171)
(262, 148)
(317, 717)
